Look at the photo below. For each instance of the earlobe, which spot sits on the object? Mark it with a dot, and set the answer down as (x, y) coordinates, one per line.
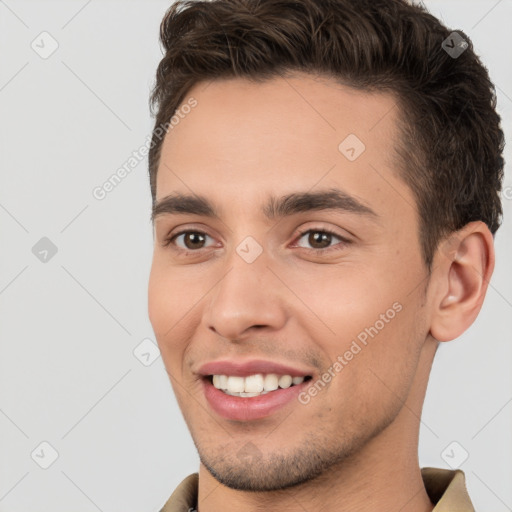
(463, 266)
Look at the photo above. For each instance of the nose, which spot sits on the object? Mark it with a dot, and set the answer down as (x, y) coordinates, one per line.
(248, 297)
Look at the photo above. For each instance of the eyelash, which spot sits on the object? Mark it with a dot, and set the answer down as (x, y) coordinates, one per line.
(167, 242)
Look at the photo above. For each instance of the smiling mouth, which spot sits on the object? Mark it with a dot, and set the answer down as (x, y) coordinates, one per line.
(254, 385)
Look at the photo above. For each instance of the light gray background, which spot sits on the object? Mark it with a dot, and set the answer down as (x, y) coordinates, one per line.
(68, 327)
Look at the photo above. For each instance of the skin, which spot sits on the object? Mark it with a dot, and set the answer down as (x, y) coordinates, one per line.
(354, 445)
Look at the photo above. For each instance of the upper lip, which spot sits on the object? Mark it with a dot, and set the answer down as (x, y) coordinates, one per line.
(250, 367)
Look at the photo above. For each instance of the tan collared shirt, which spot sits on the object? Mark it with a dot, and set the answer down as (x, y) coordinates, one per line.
(445, 488)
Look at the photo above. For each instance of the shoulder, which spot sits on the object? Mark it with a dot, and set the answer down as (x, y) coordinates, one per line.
(184, 497)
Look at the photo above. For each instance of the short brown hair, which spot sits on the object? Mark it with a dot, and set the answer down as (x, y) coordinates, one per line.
(451, 143)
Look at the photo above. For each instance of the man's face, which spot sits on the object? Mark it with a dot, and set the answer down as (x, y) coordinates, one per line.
(253, 288)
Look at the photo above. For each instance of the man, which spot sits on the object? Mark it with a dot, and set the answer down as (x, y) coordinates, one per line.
(325, 179)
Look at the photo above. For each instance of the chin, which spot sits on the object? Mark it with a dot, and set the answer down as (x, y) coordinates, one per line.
(250, 470)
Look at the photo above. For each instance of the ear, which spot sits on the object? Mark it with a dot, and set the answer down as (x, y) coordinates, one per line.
(462, 267)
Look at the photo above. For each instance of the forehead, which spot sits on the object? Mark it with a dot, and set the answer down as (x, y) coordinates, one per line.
(285, 133)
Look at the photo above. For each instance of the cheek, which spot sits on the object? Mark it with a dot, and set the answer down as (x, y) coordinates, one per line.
(373, 378)
(166, 306)
(173, 310)
(345, 299)
(171, 294)
(159, 301)
(366, 316)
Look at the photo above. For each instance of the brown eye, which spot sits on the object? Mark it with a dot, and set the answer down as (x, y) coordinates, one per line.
(188, 240)
(319, 239)
(193, 240)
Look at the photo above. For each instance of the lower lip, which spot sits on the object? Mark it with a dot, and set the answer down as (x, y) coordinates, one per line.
(250, 408)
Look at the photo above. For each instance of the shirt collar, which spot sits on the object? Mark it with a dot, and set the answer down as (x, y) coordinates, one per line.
(445, 488)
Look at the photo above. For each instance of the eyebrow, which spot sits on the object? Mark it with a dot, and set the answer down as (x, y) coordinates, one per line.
(275, 208)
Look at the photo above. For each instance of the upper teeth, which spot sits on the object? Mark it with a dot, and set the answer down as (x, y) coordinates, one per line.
(256, 383)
